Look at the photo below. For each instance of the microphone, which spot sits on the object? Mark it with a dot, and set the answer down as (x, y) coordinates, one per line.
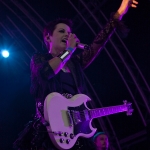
(82, 46)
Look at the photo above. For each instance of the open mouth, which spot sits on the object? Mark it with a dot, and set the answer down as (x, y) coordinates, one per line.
(64, 41)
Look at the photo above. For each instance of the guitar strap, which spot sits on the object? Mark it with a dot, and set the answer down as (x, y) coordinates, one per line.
(39, 108)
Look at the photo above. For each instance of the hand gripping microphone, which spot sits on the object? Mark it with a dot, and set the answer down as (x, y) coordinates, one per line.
(82, 46)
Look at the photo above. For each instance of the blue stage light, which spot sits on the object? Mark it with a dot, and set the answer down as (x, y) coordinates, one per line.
(5, 53)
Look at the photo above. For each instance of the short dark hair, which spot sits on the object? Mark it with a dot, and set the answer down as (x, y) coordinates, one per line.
(50, 27)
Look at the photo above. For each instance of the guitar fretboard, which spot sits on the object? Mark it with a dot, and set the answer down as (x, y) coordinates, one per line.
(95, 113)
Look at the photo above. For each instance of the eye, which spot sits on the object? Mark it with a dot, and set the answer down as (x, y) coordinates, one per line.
(61, 31)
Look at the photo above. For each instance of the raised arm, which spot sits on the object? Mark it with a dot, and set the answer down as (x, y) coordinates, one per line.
(87, 56)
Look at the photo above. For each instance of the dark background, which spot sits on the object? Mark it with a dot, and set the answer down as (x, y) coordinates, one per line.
(21, 25)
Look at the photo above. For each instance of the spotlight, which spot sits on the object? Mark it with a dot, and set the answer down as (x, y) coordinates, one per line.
(5, 53)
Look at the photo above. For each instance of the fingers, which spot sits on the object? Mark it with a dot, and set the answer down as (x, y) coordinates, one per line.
(72, 40)
(134, 3)
(133, 6)
(73, 36)
(78, 41)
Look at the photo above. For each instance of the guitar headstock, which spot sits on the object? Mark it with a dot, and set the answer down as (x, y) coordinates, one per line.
(129, 107)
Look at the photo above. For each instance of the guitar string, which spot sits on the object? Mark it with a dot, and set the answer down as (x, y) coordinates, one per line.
(101, 111)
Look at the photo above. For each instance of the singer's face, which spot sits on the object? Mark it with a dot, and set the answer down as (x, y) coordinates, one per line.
(102, 142)
(58, 40)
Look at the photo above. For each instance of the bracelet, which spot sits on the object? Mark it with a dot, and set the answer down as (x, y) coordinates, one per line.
(117, 16)
(70, 49)
(64, 56)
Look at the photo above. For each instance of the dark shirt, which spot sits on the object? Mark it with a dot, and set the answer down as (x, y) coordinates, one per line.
(67, 82)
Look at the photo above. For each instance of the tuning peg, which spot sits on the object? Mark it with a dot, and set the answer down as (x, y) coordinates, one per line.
(129, 112)
(125, 102)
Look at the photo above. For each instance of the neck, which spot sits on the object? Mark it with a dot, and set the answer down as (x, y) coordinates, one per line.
(55, 52)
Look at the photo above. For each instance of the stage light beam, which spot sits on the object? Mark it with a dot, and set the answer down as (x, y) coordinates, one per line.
(5, 53)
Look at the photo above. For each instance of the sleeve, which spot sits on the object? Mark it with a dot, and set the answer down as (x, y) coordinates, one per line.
(87, 56)
(40, 67)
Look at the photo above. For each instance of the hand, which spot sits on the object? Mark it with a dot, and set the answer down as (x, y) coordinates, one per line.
(72, 41)
(125, 6)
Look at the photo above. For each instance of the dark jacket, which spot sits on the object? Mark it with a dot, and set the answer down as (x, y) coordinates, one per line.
(44, 81)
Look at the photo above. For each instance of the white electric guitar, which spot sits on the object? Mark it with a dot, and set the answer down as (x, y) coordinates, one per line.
(70, 119)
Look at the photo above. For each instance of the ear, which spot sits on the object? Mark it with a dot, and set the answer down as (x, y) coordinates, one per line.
(47, 38)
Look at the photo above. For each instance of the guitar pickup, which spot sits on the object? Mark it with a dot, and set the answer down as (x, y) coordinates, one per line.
(76, 117)
(70, 118)
(86, 114)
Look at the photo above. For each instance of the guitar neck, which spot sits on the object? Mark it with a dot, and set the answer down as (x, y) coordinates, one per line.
(99, 112)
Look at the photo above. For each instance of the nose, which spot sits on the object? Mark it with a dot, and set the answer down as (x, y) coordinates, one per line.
(68, 33)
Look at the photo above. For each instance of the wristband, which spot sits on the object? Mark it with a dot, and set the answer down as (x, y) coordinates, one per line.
(70, 49)
(65, 55)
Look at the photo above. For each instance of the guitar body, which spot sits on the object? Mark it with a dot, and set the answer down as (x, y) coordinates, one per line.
(68, 119)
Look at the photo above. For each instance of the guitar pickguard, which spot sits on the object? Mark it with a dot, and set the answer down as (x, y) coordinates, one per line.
(80, 119)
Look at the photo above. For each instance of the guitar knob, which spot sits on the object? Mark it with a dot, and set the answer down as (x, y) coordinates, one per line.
(60, 133)
(67, 141)
(66, 134)
(56, 133)
(71, 135)
(62, 140)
